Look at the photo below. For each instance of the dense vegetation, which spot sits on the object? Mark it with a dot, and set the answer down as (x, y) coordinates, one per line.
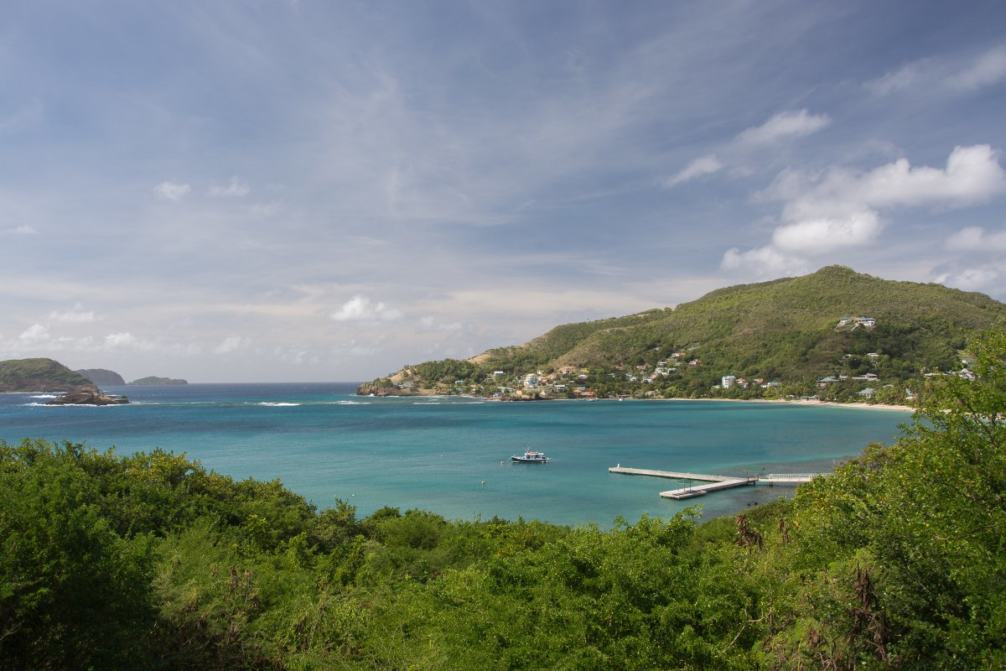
(150, 561)
(785, 331)
(38, 375)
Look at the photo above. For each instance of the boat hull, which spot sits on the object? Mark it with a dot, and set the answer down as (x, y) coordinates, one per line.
(522, 460)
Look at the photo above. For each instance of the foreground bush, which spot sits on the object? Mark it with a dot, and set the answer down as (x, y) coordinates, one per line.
(150, 561)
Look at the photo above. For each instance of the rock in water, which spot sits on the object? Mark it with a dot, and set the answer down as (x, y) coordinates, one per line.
(88, 396)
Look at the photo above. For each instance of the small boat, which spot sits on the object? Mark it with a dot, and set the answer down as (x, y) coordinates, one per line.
(530, 457)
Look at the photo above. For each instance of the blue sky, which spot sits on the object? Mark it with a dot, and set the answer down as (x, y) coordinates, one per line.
(269, 190)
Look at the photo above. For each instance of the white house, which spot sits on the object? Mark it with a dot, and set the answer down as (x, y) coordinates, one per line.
(728, 381)
(531, 381)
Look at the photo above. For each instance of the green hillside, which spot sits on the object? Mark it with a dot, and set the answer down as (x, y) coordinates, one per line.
(39, 375)
(785, 333)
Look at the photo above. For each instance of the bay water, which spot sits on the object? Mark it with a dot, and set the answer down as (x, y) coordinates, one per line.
(451, 455)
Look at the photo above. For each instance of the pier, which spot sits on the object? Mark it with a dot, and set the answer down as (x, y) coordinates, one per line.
(713, 483)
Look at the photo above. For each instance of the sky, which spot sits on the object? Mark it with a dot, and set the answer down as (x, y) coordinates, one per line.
(280, 190)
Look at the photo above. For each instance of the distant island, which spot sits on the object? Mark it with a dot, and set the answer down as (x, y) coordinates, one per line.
(101, 376)
(833, 335)
(153, 380)
(47, 375)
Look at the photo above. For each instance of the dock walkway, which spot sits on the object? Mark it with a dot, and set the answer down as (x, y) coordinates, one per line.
(714, 483)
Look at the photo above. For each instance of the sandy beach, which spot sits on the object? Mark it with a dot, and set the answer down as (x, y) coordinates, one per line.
(863, 406)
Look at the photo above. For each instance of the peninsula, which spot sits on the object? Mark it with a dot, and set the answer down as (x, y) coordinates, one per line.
(47, 375)
(834, 335)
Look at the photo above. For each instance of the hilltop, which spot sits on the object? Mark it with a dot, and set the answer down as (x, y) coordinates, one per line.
(39, 375)
(833, 333)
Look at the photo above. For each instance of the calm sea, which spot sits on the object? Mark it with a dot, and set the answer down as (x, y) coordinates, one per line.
(452, 455)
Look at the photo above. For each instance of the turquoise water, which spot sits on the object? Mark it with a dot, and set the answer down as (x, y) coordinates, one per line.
(452, 455)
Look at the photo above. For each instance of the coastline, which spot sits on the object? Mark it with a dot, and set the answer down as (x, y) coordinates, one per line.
(886, 407)
(832, 404)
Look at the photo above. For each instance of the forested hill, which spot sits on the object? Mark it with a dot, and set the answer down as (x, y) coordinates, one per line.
(787, 333)
(39, 375)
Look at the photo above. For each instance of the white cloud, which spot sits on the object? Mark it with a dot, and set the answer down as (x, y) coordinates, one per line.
(988, 69)
(972, 175)
(76, 315)
(826, 234)
(362, 309)
(234, 188)
(763, 261)
(839, 209)
(970, 279)
(172, 190)
(791, 123)
(976, 239)
(898, 80)
(782, 126)
(34, 334)
(704, 165)
(23, 229)
(126, 340)
(935, 75)
(231, 344)
(431, 324)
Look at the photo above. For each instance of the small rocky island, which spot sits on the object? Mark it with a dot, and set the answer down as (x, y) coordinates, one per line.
(87, 395)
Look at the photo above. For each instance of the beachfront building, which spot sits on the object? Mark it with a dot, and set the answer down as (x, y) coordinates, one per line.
(531, 381)
(728, 381)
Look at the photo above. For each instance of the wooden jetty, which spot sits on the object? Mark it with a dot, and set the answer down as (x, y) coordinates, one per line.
(714, 483)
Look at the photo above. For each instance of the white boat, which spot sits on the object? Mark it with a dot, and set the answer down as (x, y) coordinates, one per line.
(530, 457)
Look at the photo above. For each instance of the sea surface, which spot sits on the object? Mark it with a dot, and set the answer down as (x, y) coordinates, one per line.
(452, 455)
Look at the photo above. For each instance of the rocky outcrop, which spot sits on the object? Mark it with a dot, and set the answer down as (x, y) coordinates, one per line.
(101, 376)
(89, 395)
(385, 387)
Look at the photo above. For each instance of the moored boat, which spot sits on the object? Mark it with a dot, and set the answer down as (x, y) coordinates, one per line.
(530, 457)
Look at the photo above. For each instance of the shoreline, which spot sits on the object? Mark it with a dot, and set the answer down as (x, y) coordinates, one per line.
(858, 405)
(830, 404)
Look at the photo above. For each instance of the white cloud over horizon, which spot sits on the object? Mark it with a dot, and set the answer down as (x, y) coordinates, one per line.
(22, 229)
(784, 125)
(234, 188)
(174, 191)
(977, 239)
(76, 315)
(839, 208)
(954, 75)
(362, 309)
(704, 165)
